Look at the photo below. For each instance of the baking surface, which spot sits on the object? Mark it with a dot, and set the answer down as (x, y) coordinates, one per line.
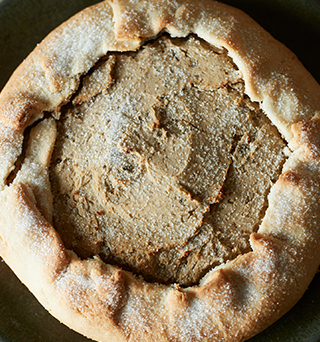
(23, 23)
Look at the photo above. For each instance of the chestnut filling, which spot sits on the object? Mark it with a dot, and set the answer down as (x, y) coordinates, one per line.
(162, 165)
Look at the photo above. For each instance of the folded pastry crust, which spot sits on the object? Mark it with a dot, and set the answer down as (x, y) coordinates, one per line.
(233, 301)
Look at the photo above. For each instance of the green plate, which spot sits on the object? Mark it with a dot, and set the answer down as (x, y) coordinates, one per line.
(24, 23)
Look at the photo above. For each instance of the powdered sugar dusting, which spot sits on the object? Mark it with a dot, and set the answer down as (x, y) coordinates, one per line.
(201, 319)
(26, 231)
(140, 316)
(78, 285)
(78, 43)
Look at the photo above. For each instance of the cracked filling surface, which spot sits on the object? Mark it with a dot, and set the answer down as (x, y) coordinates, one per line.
(162, 164)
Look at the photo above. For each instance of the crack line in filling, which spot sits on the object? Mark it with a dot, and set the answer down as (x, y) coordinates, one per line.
(162, 164)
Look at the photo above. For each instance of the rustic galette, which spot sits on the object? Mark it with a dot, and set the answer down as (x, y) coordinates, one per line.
(160, 173)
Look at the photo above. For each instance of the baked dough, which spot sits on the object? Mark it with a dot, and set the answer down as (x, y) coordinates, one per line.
(234, 300)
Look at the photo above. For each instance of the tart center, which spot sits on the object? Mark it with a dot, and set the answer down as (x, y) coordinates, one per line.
(162, 165)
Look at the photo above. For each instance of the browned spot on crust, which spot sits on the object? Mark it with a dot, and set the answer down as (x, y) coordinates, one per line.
(18, 112)
(307, 133)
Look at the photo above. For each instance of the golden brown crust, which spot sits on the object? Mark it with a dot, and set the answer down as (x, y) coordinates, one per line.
(231, 303)
(307, 135)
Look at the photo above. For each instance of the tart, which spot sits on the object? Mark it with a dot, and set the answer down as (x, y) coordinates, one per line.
(160, 173)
